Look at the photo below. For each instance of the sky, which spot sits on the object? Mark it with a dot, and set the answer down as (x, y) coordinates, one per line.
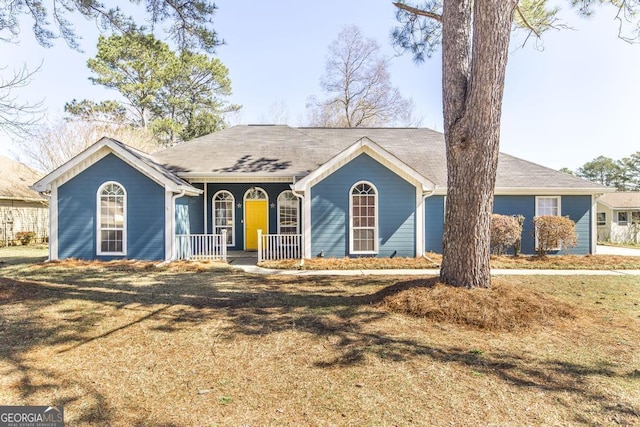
(566, 102)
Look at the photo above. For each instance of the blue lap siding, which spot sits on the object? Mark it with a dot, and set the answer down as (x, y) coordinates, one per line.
(519, 205)
(238, 190)
(330, 209)
(577, 208)
(77, 201)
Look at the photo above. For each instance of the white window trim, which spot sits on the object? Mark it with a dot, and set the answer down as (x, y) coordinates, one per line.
(297, 210)
(559, 198)
(622, 223)
(99, 220)
(233, 215)
(375, 227)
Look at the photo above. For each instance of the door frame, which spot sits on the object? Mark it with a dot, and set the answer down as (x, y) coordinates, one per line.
(244, 211)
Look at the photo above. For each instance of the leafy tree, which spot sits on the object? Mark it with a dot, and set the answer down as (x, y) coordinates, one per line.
(567, 171)
(178, 96)
(191, 101)
(188, 24)
(189, 21)
(602, 170)
(99, 112)
(624, 174)
(629, 178)
(475, 38)
(358, 86)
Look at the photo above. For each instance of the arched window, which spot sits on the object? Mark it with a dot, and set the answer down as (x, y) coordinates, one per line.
(288, 213)
(363, 219)
(224, 215)
(112, 219)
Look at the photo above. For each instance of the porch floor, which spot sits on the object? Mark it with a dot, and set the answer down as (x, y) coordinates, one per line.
(242, 257)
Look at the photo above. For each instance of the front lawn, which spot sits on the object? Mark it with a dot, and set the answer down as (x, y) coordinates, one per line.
(135, 344)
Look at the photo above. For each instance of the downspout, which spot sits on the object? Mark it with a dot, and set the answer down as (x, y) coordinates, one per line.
(173, 223)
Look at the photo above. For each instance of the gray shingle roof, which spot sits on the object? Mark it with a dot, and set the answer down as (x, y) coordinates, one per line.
(15, 179)
(148, 160)
(621, 200)
(283, 151)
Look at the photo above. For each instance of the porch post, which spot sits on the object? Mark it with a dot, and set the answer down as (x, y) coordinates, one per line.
(223, 246)
(259, 246)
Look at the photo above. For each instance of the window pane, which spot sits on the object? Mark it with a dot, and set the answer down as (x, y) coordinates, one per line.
(223, 205)
(112, 218)
(287, 213)
(363, 220)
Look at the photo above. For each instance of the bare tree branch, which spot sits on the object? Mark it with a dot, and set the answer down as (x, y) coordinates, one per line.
(18, 118)
(418, 12)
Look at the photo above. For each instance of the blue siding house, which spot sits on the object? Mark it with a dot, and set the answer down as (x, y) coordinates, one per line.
(292, 192)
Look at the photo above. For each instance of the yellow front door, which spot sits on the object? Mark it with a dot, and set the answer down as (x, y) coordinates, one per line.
(255, 218)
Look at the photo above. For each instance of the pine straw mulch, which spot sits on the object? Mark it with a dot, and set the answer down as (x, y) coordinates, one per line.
(503, 307)
(433, 261)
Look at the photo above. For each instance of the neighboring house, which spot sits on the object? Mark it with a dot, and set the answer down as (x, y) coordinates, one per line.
(618, 218)
(311, 192)
(21, 208)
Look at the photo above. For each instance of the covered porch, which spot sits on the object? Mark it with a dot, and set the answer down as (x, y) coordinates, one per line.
(214, 247)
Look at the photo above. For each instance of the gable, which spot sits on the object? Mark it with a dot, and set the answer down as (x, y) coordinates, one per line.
(372, 150)
(143, 163)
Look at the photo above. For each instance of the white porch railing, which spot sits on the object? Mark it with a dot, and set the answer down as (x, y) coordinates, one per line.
(279, 246)
(202, 247)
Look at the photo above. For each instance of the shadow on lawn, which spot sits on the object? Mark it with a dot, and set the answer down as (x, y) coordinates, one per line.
(257, 305)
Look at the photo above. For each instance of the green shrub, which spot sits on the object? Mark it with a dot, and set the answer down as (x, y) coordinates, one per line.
(25, 237)
(553, 233)
(506, 231)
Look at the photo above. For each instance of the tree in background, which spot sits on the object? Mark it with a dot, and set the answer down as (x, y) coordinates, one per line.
(189, 26)
(358, 86)
(475, 38)
(190, 22)
(177, 96)
(624, 174)
(602, 170)
(52, 145)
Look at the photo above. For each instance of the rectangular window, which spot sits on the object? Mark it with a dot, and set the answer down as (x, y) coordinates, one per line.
(602, 218)
(548, 206)
(623, 218)
(635, 217)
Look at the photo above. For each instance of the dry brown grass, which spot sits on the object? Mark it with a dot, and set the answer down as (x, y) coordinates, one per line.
(139, 345)
(433, 260)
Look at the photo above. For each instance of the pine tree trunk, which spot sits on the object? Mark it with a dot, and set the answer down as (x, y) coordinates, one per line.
(475, 44)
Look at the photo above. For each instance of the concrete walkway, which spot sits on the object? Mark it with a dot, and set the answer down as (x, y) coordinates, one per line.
(615, 250)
